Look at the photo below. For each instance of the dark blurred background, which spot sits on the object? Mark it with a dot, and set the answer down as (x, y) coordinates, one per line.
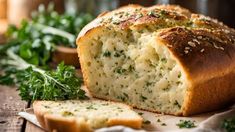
(13, 11)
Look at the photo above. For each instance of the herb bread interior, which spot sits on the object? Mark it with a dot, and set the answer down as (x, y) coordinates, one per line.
(162, 58)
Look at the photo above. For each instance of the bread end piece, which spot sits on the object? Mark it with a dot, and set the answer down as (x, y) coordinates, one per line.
(84, 116)
(59, 124)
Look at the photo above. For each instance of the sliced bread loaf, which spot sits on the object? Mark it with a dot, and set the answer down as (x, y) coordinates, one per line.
(162, 58)
(84, 115)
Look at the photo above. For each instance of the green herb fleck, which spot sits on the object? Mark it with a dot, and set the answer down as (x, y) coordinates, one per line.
(163, 60)
(116, 22)
(166, 89)
(158, 120)
(139, 16)
(107, 53)
(140, 113)
(126, 95)
(153, 14)
(146, 122)
(91, 107)
(229, 124)
(116, 54)
(186, 124)
(131, 68)
(163, 124)
(120, 70)
(149, 84)
(189, 23)
(119, 53)
(67, 113)
(143, 98)
(179, 75)
(121, 98)
(126, 14)
(163, 12)
(45, 106)
(178, 82)
(177, 104)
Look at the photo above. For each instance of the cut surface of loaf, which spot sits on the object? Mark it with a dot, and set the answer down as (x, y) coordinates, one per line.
(84, 115)
(162, 58)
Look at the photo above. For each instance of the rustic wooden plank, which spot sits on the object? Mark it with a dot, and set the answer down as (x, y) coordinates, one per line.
(10, 105)
(32, 128)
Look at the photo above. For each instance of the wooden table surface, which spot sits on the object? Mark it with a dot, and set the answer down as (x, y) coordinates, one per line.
(10, 105)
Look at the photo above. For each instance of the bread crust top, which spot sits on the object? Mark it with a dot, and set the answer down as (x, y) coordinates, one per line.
(194, 39)
(131, 15)
(201, 51)
(165, 15)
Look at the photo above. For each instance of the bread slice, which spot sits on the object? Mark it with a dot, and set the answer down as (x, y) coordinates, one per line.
(162, 58)
(84, 115)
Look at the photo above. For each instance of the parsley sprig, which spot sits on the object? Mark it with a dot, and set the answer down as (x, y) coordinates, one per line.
(25, 57)
(186, 124)
(38, 84)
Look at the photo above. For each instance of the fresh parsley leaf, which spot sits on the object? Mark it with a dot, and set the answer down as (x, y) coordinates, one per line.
(37, 84)
(186, 124)
(61, 84)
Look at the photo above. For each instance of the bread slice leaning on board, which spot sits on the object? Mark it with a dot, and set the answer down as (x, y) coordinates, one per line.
(84, 115)
(161, 58)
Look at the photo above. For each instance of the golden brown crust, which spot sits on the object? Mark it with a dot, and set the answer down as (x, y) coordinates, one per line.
(39, 114)
(132, 15)
(130, 123)
(174, 8)
(57, 124)
(208, 59)
(212, 94)
(201, 51)
(166, 15)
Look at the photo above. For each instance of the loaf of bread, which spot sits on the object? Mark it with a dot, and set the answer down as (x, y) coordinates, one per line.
(161, 58)
(84, 115)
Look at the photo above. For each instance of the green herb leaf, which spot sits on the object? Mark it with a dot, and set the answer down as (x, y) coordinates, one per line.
(163, 124)
(37, 84)
(61, 84)
(229, 124)
(143, 98)
(107, 53)
(146, 122)
(186, 124)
